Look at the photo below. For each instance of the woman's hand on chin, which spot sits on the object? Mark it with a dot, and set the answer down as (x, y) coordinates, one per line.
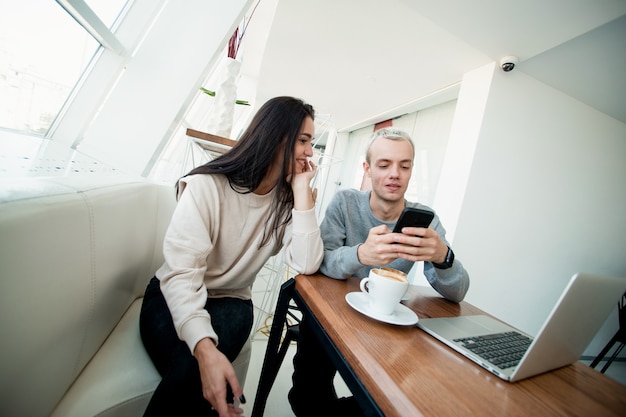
(304, 197)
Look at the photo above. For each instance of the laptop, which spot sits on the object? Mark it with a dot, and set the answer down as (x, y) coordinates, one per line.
(579, 313)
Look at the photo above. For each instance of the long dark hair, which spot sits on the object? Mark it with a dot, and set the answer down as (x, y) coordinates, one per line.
(274, 128)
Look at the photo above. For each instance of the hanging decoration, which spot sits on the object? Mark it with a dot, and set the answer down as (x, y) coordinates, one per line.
(223, 111)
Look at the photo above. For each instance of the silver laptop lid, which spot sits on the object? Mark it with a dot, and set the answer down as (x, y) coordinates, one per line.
(577, 316)
(575, 319)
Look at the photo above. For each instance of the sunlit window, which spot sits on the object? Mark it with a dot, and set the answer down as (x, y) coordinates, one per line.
(43, 54)
(107, 10)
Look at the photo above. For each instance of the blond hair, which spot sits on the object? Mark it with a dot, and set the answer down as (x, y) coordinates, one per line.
(388, 133)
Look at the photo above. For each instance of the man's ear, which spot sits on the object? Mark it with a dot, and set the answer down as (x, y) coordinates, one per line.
(366, 169)
(366, 181)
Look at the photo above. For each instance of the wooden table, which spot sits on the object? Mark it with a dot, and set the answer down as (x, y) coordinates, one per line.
(402, 371)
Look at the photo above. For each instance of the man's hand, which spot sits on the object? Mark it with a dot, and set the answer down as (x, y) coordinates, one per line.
(379, 248)
(420, 244)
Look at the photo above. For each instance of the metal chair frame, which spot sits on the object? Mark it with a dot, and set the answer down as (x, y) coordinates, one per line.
(620, 337)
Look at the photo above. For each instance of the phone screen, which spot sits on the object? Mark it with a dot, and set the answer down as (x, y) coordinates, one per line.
(413, 217)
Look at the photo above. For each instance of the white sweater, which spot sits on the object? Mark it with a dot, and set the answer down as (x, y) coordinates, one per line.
(211, 249)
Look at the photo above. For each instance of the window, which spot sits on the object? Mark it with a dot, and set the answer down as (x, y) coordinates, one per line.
(43, 54)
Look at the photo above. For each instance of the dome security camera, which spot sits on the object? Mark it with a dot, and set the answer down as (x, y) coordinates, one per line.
(508, 63)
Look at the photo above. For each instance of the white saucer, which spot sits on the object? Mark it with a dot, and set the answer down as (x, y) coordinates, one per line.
(402, 315)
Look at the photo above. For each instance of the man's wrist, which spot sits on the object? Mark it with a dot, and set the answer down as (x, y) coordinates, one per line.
(448, 260)
(358, 258)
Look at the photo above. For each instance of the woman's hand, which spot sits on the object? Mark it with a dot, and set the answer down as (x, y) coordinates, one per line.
(303, 196)
(216, 372)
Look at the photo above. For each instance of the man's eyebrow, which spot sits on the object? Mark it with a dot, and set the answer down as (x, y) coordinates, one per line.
(389, 160)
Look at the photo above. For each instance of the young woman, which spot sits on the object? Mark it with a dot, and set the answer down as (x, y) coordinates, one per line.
(232, 214)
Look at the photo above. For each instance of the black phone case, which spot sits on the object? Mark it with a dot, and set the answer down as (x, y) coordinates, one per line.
(413, 217)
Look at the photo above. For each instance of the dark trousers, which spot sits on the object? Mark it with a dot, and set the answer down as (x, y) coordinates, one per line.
(180, 391)
(313, 392)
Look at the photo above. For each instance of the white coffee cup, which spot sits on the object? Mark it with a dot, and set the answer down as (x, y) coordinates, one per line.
(385, 287)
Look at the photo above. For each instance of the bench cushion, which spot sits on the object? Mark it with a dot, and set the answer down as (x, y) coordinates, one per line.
(120, 380)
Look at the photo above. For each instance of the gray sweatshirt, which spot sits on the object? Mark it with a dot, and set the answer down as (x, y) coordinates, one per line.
(346, 225)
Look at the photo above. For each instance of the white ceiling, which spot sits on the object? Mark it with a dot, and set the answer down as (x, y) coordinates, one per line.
(362, 60)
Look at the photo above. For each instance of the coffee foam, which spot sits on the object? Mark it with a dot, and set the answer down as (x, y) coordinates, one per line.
(391, 273)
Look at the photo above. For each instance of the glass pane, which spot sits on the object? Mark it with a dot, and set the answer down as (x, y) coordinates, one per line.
(43, 53)
(107, 10)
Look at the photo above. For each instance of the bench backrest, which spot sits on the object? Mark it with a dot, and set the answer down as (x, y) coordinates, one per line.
(74, 254)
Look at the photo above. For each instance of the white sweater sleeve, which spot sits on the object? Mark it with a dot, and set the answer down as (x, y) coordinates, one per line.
(186, 245)
(303, 246)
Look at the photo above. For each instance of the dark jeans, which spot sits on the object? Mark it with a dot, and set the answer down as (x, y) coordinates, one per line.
(313, 390)
(180, 391)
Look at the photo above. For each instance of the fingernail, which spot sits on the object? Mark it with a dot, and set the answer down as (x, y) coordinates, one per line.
(242, 399)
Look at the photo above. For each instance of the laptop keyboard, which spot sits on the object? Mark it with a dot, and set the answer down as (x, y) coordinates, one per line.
(501, 349)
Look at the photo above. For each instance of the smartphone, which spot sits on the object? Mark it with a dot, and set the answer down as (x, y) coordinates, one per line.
(413, 217)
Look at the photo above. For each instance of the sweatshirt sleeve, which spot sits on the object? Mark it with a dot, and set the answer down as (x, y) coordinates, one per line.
(340, 254)
(303, 245)
(186, 246)
(451, 283)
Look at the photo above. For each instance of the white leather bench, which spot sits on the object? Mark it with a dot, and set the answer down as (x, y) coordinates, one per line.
(76, 254)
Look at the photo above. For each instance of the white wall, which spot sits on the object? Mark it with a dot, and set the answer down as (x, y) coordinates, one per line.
(461, 146)
(545, 198)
